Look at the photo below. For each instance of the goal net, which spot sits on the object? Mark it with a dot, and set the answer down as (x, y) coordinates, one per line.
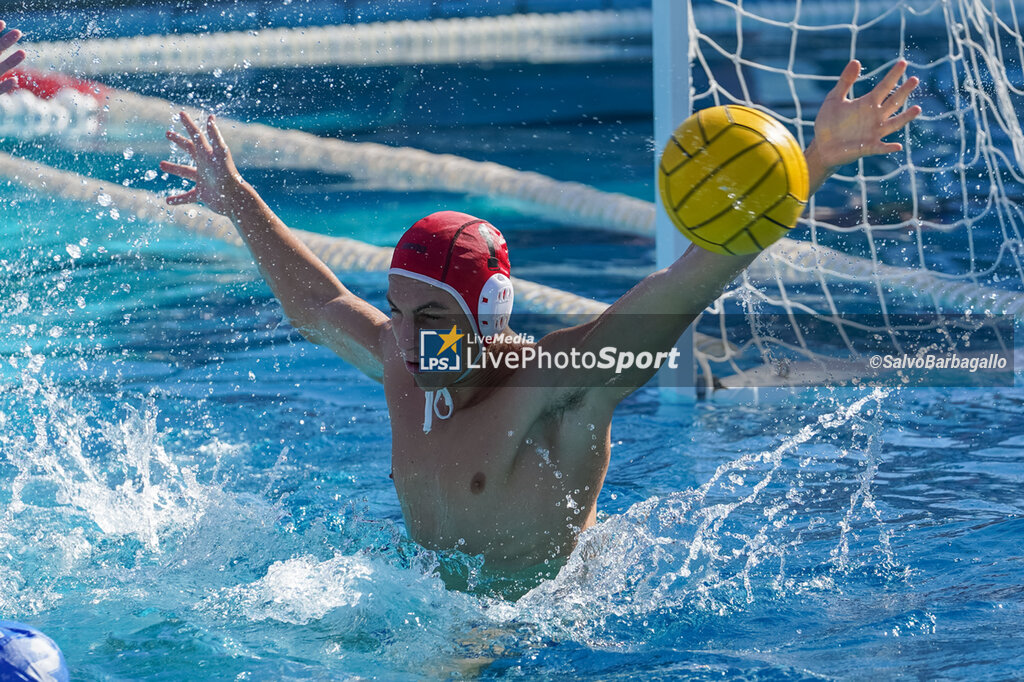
(894, 250)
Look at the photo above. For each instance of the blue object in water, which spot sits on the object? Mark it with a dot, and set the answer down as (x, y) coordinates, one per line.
(27, 655)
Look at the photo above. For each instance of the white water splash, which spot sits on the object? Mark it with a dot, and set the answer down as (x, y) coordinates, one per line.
(114, 472)
(303, 589)
(704, 549)
(712, 549)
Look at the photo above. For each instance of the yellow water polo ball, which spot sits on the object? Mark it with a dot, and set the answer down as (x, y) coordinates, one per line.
(733, 179)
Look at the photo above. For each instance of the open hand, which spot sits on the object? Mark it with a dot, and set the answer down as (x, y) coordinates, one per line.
(848, 129)
(6, 42)
(214, 172)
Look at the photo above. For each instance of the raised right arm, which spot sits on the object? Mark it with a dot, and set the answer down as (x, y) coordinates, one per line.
(313, 298)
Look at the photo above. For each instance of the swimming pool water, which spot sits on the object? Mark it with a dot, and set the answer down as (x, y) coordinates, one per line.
(190, 489)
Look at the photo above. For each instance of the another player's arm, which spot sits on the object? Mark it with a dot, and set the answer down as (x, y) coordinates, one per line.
(653, 315)
(312, 297)
(7, 41)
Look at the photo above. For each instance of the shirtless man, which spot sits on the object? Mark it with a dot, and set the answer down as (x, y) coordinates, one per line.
(466, 446)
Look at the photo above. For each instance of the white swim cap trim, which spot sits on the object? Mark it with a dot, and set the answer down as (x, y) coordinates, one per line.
(441, 285)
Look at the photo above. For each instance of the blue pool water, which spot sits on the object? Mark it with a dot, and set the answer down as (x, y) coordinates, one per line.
(190, 490)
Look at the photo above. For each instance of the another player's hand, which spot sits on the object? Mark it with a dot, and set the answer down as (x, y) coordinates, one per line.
(214, 173)
(848, 129)
(7, 41)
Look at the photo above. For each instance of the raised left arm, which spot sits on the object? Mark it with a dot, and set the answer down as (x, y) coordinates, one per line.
(670, 299)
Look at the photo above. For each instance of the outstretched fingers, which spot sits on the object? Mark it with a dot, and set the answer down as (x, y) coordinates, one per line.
(181, 170)
(11, 61)
(889, 81)
(8, 39)
(195, 133)
(886, 148)
(189, 197)
(182, 142)
(896, 122)
(216, 139)
(899, 98)
(847, 78)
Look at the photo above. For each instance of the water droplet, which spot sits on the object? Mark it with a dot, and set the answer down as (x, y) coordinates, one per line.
(128, 152)
(73, 250)
(150, 175)
(104, 199)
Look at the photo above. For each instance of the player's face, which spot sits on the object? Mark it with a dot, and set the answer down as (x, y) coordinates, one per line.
(417, 306)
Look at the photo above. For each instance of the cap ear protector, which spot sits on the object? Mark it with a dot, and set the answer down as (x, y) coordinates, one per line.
(495, 305)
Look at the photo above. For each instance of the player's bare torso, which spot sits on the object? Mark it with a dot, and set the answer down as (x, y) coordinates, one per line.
(507, 476)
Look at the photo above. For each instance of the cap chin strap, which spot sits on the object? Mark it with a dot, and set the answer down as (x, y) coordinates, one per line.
(441, 395)
(431, 407)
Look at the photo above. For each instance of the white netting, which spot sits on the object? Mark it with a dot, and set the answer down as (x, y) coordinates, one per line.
(935, 228)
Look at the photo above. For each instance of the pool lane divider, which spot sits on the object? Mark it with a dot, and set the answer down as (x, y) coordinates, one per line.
(573, 203)
(581, 36)
(340, 253)
(124, 118)
(120, 113)
(561, 37)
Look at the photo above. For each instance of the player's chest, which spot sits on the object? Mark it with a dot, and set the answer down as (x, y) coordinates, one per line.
(465, 460)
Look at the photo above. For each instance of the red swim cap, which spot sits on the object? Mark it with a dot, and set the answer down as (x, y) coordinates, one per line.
(465, 256)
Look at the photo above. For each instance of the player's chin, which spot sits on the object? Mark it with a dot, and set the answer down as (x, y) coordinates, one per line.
(432, 381)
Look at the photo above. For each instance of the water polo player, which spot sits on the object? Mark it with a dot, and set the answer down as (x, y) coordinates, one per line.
(488, 460)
